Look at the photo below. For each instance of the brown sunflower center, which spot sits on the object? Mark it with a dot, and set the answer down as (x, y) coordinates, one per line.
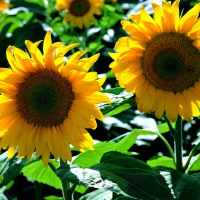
(79, 7)
(171, 62)
(45, 98)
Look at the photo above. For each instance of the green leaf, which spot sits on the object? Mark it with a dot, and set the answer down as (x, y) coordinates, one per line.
(161, 161)
(120, 174)
(37, 171)
(52, 197)
(194, 163)
(31, 6)
(183, 186)
(98, 195)
(121, 100)
(3, 158)
(25, 33)
(163, 128)
(121, 144)
(92, 157)
(196, 176)
(81, 189)
(125, 142)
(109, 18)
(9, 185)
(10, 168)
(13, 171)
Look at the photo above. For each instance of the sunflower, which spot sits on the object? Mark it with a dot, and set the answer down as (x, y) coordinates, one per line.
(47, 103)
(4, 5)
(80, 12)
(160, 61)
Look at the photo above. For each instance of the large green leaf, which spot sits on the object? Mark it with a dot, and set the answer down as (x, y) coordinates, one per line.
(121, 144)
(120, 174)
(37, 171)
(121, 100)
(183, 186)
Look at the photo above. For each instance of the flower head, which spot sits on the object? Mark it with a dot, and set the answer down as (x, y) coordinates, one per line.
(46, 103)
(160, 61)
(80, 12)
(4, 5)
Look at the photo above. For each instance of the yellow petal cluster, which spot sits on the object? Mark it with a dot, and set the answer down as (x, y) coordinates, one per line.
(80, 12)
(150, 50)
(4, 5)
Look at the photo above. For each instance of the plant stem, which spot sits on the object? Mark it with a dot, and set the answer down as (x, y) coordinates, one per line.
(167, 145)
(178, 144)
(38, 190)
(171, 129)
(65, 186)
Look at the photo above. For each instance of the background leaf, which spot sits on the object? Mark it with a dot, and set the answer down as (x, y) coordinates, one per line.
(120, 174)
(121, 99)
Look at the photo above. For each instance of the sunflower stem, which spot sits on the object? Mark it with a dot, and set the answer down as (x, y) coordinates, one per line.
(65, 186)
(178, 144)
(171, 129)
(38, 190)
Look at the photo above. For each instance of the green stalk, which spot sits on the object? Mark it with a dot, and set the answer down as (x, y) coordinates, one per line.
(171, 129)
(167, 145)
(65, 186)
(38, 190)
(178, 148)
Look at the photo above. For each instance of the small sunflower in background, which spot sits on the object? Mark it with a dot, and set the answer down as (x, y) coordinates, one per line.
(46, 102)
(160, 61)
(80, 12)
(4, 5)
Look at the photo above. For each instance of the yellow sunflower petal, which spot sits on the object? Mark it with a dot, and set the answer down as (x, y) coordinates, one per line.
(41, 141)
(47, 42)
(160, 103)
(188, 20)
(14, 130)
(35, 53)
(171, 106)
(12, 61)
(45, 155)
(24, 138)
